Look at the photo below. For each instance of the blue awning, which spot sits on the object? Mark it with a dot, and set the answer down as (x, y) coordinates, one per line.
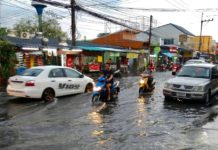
(168, 54)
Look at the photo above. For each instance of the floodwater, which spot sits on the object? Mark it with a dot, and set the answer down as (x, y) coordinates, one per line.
(129, 123)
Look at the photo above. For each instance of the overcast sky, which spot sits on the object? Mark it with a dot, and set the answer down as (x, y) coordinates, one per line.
(13, 10)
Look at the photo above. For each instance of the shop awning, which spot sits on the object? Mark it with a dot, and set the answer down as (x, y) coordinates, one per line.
(106, 49)
(168, 54)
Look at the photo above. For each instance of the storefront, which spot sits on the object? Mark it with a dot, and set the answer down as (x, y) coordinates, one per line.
(96, 57)
(72, 58)
(29, 57)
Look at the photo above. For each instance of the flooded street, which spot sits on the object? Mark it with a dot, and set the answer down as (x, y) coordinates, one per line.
(128, 123)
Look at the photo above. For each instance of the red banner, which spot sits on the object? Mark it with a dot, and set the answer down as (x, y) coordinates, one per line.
(94, 67)
(69, 61)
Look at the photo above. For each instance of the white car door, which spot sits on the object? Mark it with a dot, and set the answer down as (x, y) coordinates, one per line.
(75, 81)
(58, 81)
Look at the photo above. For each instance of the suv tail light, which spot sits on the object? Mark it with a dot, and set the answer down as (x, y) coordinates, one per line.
(30, 83)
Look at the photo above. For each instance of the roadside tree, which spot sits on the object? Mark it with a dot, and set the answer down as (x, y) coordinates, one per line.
(7, 61)
(51, 27)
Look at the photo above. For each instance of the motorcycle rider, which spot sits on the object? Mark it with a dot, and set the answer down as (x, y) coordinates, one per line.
(151, 65)
(108, 74)
(148, 75)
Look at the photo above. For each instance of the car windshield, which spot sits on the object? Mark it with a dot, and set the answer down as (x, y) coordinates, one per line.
(194, 72)
(194, 62)
(32, 72)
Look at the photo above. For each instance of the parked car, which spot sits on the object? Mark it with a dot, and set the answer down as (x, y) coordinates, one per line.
(193, 82)
(48, 82)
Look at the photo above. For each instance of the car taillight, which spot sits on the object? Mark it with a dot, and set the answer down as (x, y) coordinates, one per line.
(30, 83)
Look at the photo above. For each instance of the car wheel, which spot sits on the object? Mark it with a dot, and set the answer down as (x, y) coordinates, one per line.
(141, 90)
(48, 95)
(89, 88)
(208, 97)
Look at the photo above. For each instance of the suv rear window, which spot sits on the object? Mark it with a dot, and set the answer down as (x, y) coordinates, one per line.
(32, 72)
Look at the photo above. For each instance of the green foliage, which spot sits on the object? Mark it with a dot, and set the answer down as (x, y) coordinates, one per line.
(7, 59)
(25, 25)
(3, 31)
(51, 27)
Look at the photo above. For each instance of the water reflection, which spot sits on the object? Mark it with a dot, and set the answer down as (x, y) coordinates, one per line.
(142, 115)
(95, 116)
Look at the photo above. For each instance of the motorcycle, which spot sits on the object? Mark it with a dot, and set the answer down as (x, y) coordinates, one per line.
(151, 68)
(176, 68)
(100, 91)
(163, 67)
(146, 84)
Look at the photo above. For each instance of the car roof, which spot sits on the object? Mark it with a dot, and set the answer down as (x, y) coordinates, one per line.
(197, 60)
(48, 67)
(206, 65)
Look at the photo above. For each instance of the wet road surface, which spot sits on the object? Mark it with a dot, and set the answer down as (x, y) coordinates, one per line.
(128, 123)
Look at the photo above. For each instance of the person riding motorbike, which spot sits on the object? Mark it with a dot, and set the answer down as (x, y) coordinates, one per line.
(148, 74)
(151, 65)
(108, 74)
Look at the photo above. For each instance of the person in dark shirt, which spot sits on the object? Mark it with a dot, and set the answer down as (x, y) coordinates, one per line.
(108, 74)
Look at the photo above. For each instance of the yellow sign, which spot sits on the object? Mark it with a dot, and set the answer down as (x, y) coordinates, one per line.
(100, 59)
(132, 55)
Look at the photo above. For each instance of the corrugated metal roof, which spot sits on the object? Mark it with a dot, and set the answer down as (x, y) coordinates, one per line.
(182, 29)
(54, 43)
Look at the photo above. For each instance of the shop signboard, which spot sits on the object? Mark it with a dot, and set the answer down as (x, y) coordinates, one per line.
(132, 55)
(94, 67)
(69, 61)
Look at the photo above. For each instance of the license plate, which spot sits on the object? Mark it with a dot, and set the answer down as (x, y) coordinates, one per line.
(181, 94)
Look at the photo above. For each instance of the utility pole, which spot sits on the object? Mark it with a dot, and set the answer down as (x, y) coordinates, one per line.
(73, 23)
(149, 38)
(202, 21)
(150, 34)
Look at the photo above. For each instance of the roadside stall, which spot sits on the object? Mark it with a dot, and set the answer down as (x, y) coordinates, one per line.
(29, 57)
(71, 58)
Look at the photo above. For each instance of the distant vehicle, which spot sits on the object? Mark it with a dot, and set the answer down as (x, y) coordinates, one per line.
(195, 61)
(48, 82)
(193, 82)
(176, 67)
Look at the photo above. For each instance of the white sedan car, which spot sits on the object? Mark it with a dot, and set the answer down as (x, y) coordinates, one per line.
(48, 82)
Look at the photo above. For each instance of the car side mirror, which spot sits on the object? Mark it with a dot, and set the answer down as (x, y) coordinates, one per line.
(173, 73)
(215, 76)
(81, 75)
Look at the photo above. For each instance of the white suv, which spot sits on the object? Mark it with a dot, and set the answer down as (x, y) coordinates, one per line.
(193, 82)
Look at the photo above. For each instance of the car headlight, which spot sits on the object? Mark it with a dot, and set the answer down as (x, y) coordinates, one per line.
(97, 89)
(198, 88)
(168, 86)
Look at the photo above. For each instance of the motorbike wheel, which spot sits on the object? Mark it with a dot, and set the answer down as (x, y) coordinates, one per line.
(141, 90)
(95, 99)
